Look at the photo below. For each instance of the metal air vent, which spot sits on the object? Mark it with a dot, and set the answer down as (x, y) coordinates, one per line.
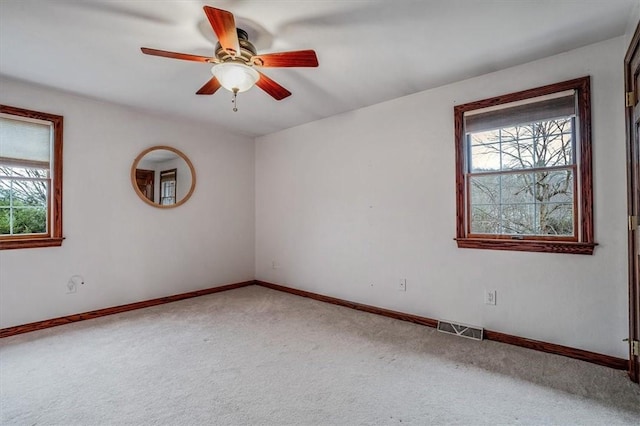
(462, 330)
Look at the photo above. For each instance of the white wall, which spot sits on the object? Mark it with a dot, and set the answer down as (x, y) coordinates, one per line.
(633, 21)
(348, 205)
(126, 250)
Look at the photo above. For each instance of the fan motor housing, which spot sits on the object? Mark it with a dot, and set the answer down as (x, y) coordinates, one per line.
(247, 49)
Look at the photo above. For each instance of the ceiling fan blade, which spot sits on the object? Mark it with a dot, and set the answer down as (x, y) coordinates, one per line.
(209, 88)
(174, 55)
(224, 25)
(271, 87)
(298, 58)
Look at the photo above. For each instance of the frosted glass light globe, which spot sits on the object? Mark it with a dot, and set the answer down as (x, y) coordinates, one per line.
(235, 77)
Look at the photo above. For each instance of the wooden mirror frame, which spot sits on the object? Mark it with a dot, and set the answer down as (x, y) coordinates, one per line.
(134, 166)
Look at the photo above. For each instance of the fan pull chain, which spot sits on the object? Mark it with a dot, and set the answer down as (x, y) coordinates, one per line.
(234, 101)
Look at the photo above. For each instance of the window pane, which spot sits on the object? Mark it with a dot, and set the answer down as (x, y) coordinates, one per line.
(537, 145)
(30, 220)
(22, 172)
(23, 205)
(23, 220)
(24, 192)
(485, 189)
(485, 219)
(539, 203)
(519, 219)
(554, 186)
(5, 227)
(517, 148)
(555, 145)
(485, 157)
(556, 219)
(517, 188)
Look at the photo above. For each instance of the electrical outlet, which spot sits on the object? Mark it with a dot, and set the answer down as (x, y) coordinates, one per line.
(72, 284)
(402, 284)
(490, 297)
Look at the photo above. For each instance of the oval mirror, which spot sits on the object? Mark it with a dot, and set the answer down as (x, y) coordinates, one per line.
(163, 177)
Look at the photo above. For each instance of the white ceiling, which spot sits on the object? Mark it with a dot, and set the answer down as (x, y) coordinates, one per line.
(369, 50)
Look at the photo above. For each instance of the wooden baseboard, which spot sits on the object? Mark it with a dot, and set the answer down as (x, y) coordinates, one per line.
(353, 305)
(552, 348)
(39, 325)
(600, 359)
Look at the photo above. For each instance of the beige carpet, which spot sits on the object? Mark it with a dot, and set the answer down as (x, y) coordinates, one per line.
(258, 356)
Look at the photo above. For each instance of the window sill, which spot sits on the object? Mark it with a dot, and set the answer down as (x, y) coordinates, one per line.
(22, 243)
(540, 246)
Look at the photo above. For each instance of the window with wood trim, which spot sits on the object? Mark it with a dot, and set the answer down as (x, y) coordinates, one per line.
(30, 178)
(523, 171)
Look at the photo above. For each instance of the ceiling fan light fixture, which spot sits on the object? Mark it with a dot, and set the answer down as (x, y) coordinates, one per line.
(235, 77)
(236, 56)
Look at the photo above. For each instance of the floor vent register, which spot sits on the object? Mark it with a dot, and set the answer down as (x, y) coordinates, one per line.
(462, 330)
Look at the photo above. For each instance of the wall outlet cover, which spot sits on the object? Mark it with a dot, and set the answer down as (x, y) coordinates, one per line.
(402, 284)
(490, 297)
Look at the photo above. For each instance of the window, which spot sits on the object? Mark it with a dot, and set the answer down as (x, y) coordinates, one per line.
(30, 178)
(523, 171)
(168, 179)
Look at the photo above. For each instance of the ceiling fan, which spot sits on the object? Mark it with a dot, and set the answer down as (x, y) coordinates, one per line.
(235, 59)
